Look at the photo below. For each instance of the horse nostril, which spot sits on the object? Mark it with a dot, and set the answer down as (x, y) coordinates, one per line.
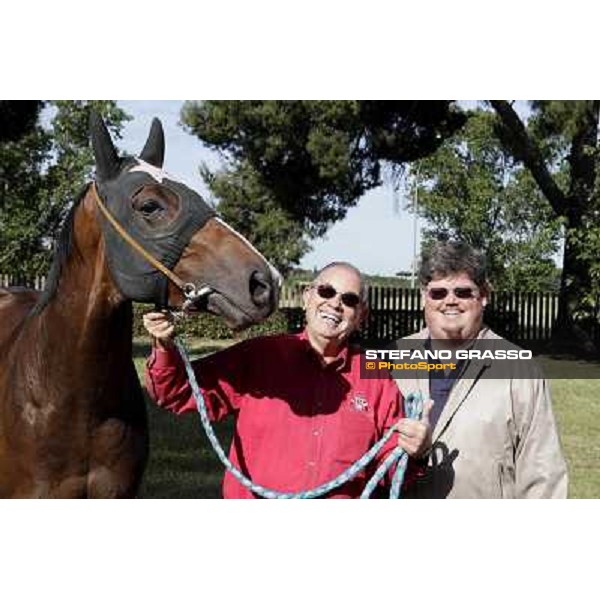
(260, 288)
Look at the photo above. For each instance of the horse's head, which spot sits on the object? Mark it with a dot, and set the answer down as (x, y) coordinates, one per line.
(182, 232)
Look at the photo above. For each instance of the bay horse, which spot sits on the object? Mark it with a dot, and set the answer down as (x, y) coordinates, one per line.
(72, 415)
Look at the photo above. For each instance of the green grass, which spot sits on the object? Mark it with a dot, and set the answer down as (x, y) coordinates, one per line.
(577, 408)
(183, 464)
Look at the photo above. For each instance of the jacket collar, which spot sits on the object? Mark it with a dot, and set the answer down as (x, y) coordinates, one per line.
(471, 373)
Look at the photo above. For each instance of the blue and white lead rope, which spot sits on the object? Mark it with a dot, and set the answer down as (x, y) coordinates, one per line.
(398, 457)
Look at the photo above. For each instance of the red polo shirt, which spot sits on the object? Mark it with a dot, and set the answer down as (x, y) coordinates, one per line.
(299, 423)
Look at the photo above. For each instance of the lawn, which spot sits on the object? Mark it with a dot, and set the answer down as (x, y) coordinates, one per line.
(183, 464)
(577, 408)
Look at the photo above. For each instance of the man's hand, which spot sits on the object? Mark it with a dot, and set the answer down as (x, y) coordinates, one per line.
(160, 326)
(415, 436)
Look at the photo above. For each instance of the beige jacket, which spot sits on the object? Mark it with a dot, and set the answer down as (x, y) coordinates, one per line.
(495, 438)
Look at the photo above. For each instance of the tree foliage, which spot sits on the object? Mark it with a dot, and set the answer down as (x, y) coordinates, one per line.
(471, 189)
(42, 168)
(559, 146)
(295, 167)
(248, 207)
(17, 118)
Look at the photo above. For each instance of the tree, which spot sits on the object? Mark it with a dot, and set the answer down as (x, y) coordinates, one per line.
(17, 118)
(248, 207)
(559, 147)
(295, 167)
(471, 189)
(41, 171)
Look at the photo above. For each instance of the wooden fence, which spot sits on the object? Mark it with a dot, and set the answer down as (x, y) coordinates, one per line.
(37, 283)
(523, 317)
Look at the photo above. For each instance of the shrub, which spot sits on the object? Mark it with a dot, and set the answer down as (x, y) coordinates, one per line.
(208, 326)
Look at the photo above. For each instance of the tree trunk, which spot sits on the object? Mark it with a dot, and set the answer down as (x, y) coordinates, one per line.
(572, 332)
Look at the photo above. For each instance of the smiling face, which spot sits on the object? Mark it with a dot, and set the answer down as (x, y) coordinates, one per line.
(329, 321)
(452, 318)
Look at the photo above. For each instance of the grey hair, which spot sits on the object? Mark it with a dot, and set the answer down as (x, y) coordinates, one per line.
(451, 258)
(364, 291)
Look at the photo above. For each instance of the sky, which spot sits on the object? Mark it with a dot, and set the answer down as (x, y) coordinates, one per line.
(377, 236)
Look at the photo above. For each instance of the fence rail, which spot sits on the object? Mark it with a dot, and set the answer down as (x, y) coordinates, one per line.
(395, 312)
(37, 283)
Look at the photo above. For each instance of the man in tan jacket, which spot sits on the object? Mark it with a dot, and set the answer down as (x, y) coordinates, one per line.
(494, 435)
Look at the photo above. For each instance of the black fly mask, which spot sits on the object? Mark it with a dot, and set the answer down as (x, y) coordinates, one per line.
(119, 181)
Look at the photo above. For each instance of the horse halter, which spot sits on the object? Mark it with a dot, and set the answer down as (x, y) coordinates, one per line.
(189, 290)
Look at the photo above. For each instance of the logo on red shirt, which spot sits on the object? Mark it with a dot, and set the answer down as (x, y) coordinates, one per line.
(360, 402)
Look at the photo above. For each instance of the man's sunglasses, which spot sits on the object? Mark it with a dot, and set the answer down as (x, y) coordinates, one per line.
(462, 293)
(327, 291)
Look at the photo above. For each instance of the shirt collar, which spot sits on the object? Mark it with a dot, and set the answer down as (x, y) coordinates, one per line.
(482, 334)
(339, 363)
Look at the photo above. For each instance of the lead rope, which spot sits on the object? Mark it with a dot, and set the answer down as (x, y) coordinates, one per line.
(398, 457)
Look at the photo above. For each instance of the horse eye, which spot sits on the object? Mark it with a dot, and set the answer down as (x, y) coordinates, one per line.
(150, 208)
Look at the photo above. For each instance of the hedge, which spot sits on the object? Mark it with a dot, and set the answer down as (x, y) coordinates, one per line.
(208, 326)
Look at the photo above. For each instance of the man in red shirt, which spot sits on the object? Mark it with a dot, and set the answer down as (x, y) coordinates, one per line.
(303, 412)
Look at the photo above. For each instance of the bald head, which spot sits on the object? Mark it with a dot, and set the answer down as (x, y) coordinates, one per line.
(344, 266)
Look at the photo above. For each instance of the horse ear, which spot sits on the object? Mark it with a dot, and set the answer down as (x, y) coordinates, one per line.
(154, 149)
(107, 159)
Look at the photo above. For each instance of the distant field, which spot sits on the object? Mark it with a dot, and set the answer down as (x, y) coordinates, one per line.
(183, 465)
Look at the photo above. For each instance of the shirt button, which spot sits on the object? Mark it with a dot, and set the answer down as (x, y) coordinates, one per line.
(311, 463)
(316, 432)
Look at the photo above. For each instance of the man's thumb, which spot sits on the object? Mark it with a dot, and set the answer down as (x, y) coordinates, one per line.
(427, 406)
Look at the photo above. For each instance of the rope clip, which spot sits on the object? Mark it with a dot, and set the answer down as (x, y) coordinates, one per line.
(193, 294)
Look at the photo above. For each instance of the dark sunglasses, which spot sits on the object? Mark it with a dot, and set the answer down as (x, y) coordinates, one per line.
(462, 293)
(327, 291)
